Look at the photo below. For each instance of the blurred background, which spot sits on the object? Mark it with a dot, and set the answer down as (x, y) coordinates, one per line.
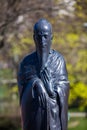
(69, 21)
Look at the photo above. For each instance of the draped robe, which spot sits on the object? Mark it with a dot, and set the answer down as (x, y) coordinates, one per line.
(54, 115)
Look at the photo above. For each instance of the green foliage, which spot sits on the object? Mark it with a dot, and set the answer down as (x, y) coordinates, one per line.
(70, 38)
(3, 91)
(78, 95)
(7, 92)
(20, 44)
(6, 74)
(81, 65)
(77, 124)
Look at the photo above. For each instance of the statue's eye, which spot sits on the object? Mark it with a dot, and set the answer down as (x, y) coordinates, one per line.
(39, 36)
(46, 36)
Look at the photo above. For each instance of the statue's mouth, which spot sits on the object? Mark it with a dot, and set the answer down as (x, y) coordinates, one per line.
(43, 46)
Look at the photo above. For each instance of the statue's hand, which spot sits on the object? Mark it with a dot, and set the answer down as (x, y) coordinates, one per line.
(47, 80)
(41, 92)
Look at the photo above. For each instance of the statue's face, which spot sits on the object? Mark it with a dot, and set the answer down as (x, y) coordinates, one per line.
(43, 38)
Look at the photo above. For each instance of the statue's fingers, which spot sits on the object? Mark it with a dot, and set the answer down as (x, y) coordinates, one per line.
(46, 71)
(43, 77)
(39, 100)
(42, 100)
(45, 100)
(46, 76)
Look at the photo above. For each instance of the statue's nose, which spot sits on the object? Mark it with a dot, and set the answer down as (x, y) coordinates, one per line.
(43, 41)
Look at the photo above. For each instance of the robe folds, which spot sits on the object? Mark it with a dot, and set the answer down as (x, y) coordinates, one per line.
(54, 115)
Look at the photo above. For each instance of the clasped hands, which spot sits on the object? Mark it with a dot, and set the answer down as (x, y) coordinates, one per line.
(44, 86)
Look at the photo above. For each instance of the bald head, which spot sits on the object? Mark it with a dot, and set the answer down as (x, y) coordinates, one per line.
(41, 26)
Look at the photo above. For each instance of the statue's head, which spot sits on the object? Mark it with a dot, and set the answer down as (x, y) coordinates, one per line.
(43, 36)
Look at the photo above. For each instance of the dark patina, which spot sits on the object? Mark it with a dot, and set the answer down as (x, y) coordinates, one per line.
(43, 84)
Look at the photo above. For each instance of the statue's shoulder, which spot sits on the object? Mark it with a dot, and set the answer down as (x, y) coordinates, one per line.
(56, 60)
(56, 55)
(28, 59)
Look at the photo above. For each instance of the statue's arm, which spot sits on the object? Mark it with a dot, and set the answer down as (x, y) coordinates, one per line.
(28, 80)
(63, 92)
(24, 79)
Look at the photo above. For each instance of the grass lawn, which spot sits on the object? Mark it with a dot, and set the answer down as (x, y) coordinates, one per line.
(77, 124)
(74, 124)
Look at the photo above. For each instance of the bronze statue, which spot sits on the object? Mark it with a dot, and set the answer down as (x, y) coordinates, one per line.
(43, 84)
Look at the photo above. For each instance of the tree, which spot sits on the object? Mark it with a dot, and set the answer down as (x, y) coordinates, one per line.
(70, 38)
